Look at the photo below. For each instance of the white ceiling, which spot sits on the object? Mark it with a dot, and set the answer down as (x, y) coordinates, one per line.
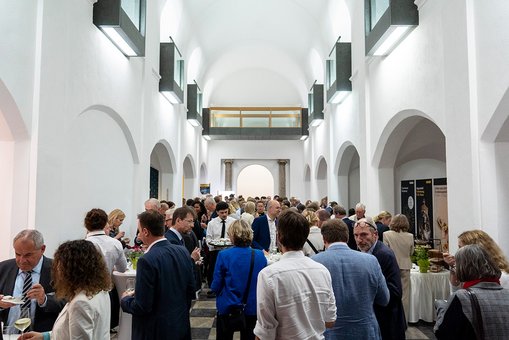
(233, 40)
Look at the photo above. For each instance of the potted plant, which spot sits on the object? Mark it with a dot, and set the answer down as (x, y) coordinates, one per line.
(421, 258)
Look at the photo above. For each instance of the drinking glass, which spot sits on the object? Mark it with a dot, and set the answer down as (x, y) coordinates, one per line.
(130, 283)
(22, 324)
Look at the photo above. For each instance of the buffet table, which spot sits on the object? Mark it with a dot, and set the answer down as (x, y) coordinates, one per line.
(125, 321)
(424, 289)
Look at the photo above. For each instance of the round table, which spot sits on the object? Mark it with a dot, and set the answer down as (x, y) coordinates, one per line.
(424, 289)
(125, 321)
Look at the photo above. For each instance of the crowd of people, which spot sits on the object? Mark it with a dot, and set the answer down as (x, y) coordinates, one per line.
(339, 276)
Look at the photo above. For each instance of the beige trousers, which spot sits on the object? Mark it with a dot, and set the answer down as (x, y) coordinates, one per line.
(405, 282)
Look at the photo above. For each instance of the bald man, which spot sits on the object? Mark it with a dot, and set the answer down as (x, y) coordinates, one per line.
(264, 227)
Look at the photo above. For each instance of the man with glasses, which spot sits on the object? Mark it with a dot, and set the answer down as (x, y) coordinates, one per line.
(182, 223)
(391, 318)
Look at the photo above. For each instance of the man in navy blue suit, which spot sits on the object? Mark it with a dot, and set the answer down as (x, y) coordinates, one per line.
(164, 285)
(264, 227)
(391, 318)
(182, 223)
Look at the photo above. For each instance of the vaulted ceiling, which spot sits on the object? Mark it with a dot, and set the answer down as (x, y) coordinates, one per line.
(257, 51)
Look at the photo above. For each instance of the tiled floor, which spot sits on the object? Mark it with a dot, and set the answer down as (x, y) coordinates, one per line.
(203, 322)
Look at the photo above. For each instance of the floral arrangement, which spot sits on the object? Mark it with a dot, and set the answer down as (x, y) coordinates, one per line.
(133, 254)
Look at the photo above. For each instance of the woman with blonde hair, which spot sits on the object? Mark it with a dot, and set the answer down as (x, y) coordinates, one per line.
(115, 220)
(382, 222)
(230, 281)
(482, 238)
(314, 243)
(402, 244)
(249, 212)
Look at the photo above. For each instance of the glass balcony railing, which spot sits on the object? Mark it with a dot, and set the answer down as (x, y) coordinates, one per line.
(255, 117)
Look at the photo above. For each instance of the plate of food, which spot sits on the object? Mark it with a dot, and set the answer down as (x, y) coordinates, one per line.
(13, 300)
(222, 242)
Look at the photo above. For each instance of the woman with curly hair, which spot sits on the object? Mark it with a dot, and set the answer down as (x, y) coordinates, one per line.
(80, 277)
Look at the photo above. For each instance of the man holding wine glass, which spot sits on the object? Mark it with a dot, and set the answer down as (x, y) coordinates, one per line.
(25, 289)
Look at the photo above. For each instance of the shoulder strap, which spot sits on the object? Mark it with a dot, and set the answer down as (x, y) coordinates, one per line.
(476, 315)
(312, 246)
(246, 292)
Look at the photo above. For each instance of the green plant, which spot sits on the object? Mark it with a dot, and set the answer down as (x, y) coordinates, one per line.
(420, 253)
(423, 265)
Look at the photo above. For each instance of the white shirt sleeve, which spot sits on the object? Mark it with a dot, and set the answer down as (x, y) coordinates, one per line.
(267, 323)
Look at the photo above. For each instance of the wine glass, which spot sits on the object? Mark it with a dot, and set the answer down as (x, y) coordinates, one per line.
(22, 324)
(130, 283)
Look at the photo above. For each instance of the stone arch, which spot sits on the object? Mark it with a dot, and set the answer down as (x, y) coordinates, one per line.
(203, 173)
(163, 169)
(121, 123)
(411, 147)
(15, 171)
(189, 177)
(321, 177)
(494, 167)
(255, 180)
(307, 183)
(347, 169)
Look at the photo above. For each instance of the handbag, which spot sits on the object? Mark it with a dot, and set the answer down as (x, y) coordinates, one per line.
(476, 315)
(235, 320)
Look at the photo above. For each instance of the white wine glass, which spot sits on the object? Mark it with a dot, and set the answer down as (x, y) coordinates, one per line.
(130, 283)
(22, 324)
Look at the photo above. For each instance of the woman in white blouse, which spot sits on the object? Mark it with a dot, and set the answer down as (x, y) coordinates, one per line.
(81, 277)
(402, 243)
(249, 212)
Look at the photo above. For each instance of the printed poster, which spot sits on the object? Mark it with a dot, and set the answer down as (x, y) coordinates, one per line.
(424, 209)
(440, 206)
(408, 203)
(205, 189)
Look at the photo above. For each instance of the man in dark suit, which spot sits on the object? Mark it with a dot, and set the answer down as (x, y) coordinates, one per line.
(391, 318)
(32, 269)
(340, 213)
(164, 285)
(264, 227)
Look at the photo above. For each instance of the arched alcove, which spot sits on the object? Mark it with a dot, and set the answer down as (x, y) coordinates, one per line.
(14, 171)
(494, 167)
(321, 178)
(307, 183)
(162, 164)
(189, 190)
(203, 174)
(412, 147)
(255, 180)
(348, 172)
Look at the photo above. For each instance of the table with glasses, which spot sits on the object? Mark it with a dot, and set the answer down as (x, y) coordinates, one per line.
(125, 321)
(424, 289)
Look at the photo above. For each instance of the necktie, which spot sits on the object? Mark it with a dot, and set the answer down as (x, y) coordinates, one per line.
(27, 285)
(223, 228)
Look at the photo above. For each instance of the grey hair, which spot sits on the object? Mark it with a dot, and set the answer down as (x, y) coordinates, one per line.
(153, 202)
(473, 262)
(32, 235)
(210, 201)
(360, 206)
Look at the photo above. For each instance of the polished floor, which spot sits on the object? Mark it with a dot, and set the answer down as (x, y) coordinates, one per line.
(203, 322)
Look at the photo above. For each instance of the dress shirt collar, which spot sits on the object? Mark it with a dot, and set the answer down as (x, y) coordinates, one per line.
(95, 232)
(337, 244)
(37, 269)
(176, 232)
(292, 254)
(158, 240)
(370, 251)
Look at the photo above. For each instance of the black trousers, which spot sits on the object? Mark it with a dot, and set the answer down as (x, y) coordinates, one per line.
(246, 334)
(212, 265)
(115, 308)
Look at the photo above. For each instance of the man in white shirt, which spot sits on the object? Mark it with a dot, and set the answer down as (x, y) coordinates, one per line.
(295, 299)
(217, 229)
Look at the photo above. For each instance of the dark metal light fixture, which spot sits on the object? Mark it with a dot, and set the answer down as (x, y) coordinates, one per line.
(315, 104)
(171, 69)
(339, 72)
(123, 22)
(194, 104)
(387, 23)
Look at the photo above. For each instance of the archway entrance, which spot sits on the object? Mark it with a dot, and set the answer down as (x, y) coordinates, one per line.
(255, 180)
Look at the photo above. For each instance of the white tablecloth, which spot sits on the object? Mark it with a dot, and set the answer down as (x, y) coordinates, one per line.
(125, 322)
(424, 289)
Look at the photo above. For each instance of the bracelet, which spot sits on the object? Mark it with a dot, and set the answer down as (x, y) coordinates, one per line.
(46, 336)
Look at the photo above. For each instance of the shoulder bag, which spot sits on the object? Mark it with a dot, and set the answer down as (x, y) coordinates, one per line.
(235, 320)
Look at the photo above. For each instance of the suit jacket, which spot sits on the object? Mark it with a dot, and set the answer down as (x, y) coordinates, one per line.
(391, 318)
(261, 233)
(358, 283)
(164, 289)
(84, 318)
(351, 239)
(44, 316)
(173, 238)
